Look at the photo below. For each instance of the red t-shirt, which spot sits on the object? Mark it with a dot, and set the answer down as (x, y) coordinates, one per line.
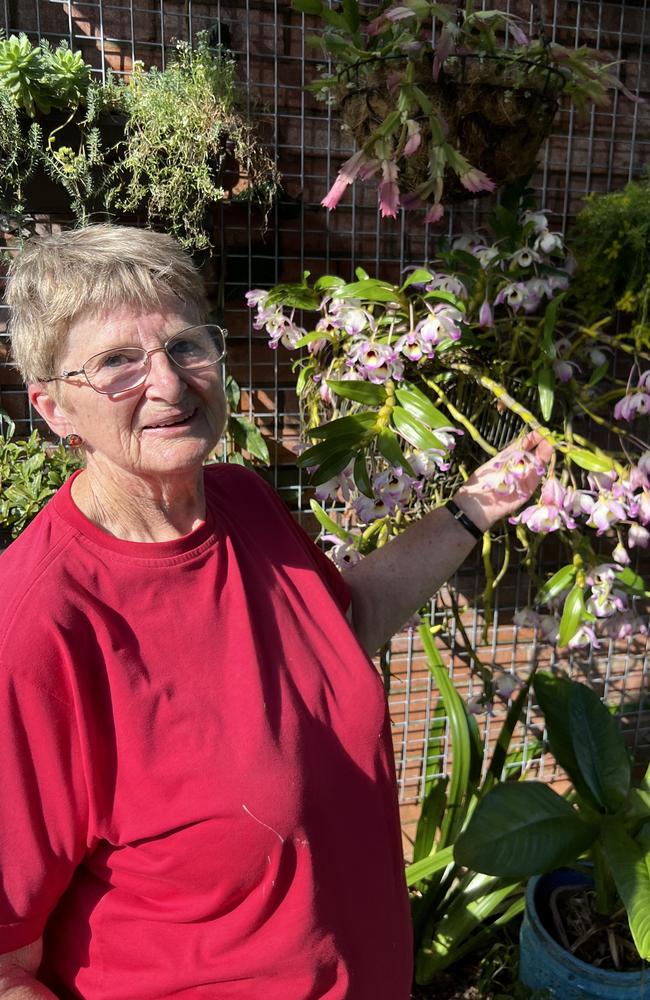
(198, 794)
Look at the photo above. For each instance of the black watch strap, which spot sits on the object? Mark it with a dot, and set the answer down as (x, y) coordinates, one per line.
(463, 519)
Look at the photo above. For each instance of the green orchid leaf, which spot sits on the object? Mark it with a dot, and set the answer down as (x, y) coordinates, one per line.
(417, 277)
(361, 477)
(550, 319)
(631, 580)
(630, 868)
(414, 431)
(590, 461)
(598, 375)
(305, 374)
(319, 453)
(359, 391)
(359, 423)
(294, 297)
(442, 296)
(327, 523)
(389, 446)
(558, 583)
(361, 274)
(599, 748)
(351, 14)
(369, 289)
(546, 391)
(327, 282)
(332, 466)
(309, 338)
(522, 829)
(573, 614)
(420, 406)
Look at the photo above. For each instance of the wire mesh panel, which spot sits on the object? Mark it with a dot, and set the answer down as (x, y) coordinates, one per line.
(271, 42)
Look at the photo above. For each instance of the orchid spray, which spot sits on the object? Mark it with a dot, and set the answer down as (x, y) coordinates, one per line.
(403, 387)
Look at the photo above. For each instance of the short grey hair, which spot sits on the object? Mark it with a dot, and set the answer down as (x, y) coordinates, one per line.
(58, 278)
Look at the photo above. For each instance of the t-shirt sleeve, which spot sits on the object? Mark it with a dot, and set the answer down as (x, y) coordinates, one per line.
(43, 807)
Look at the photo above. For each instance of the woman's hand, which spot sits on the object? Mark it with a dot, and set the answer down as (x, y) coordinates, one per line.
(502, 485)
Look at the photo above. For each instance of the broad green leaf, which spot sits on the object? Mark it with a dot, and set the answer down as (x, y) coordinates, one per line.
(573, 614)
(439, 295)
(553, 696)
(430, 815)
(309, 338)
(327, 522)
(369, 289)
(414, 431)
(389, 446)
(319, 453)
(294, 297)
(459, 784)
(332, 466)
(327, 282)
(351, 14)
(632, 580)
(590, 461)
(359, 423)
(599, 374)
(420, 407)
(599, 748)
(233, 393)
(629, 865)
(359, 391)
(336, 20)
(559, 582)
(304, 375)
(361, 477)
(522, 829)
(249, 437)
(361, 274)
(417, 277)
(550, 319)
(436, 862)
(546, 391)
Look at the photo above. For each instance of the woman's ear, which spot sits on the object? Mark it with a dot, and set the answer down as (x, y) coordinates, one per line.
(43, 400)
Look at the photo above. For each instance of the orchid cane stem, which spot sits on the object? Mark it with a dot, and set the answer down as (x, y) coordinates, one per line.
(461, 418)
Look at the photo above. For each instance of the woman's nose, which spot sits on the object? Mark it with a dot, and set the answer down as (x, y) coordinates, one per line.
(164, 378)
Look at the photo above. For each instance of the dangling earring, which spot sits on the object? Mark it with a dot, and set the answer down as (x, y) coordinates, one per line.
(73, 440)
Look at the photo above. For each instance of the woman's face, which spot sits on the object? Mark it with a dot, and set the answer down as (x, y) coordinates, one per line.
(164, 427)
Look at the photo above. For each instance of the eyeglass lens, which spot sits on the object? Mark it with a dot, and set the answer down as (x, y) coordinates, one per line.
(124, 368)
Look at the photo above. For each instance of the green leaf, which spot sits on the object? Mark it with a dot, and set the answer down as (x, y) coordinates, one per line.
(414, 431)
(573, 614)
(319, 453)
(598, 375)
(351, 14)
(522, 829)
(360, 423)
(546, 391)
(389, 446)
(441, 296)
(360, 391)
(294, 297)
(333, 464)
(327, 282)
(309, 338)
(249, 437)
(553, 696)
(430, 815)
(629, 865)
(550, 319)
(599, 748)
(361, 477)
(420, 406)
(632, 580)
(558, 583)
(417, 277)
(371, 290)
(590, 461)
(436, 862)
(327, 523)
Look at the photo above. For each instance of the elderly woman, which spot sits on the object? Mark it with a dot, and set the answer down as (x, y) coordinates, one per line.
(198, 796)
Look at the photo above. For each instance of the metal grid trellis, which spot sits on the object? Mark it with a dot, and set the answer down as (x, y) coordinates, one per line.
(271, 44)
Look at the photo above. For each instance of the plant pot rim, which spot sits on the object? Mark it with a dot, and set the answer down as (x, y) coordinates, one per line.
(586, 971)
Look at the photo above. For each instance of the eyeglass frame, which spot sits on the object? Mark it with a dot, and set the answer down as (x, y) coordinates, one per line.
(103, 392)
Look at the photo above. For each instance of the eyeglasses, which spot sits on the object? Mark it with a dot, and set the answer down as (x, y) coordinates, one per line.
(124, 368)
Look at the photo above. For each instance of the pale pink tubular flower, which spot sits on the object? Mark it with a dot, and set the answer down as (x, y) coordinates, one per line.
(435, 214)
(485, 317)
(621, 555)
(414, 137)
(346, 175)
(638, 535)
(388, 190)
(475, 180)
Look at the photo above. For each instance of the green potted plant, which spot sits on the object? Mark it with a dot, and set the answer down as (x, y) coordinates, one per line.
(445, 101)
(576, 941)
(167, 144)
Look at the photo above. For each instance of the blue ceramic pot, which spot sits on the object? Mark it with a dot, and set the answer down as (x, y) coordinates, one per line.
(546, 965)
